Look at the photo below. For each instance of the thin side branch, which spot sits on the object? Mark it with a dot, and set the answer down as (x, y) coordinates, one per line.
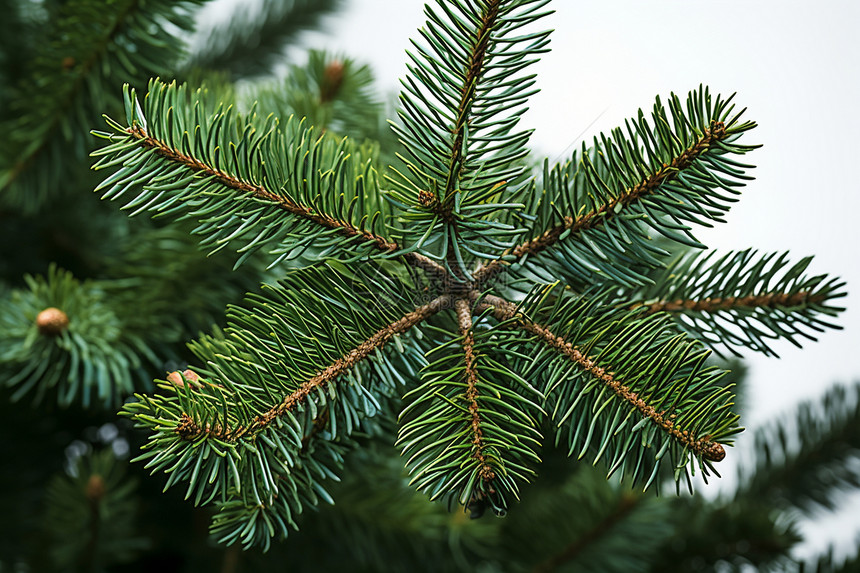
(79, 83)
(443, 208)
(712, 305)
(569, 553)
(189, 428)
(504, 310)
(322, 219)
(464, 318)
(667, 172)
(476, 63)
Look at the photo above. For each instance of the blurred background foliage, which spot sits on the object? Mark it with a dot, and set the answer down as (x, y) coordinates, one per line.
(135, 290)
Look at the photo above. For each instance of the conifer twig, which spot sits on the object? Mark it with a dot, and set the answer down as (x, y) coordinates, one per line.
(464, 318)
(443, 207)
(470, 81)
(711, 305)
(189, 428)
(258, 191)
(504, 310)
(22, 163)
(625, 506)
(715, 133)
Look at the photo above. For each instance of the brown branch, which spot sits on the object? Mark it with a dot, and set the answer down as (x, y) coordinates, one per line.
(476, 63)
(464, 318)
(711, 305)
(230, 562)
(504, 310)
(668, 171)
(190, 429)
(95, 492)
(342, 227)
(569, 553)
(444, 208)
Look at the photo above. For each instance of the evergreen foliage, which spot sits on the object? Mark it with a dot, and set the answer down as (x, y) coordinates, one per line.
(250, 44)
(91, 515)
(808, 465)
(49, 113)
(616, 379)
(60, 336)
(497, 324)
(740, 300)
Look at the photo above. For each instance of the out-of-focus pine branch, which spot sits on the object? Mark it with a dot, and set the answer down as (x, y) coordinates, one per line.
(252, 42)
(333, 92)
(65, 88)
(804, 463)
(585, 523)
(91, 515)
(808, 462)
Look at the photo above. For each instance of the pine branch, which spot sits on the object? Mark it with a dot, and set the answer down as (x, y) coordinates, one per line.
(228, 172)
(257, 191)
(626, 504)
(588, 218)
(53, 111)
(722, 535)
(619, 383)
(99, 50)
(63, 338)
(583, 523)
(92, 515)
(474, 68)
(742, 299)
(713, 305)
(470, 430)
(325, 447)
(304, 368)
(702, 446)
(460, 105)
(246, 47)
(189, 429)
(464, 319)
(334, 93)
(255, 522)
(599, 216)
(808, 463)
(379, 523)
(309, 344)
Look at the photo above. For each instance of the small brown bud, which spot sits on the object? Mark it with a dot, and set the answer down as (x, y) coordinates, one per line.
(426, 198)
(95, 488)
(52, 321)
(68, 63)
(331, 80)
(191, 376)
(715, 453)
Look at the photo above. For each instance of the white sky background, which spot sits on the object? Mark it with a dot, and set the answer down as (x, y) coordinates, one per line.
(795, 65)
